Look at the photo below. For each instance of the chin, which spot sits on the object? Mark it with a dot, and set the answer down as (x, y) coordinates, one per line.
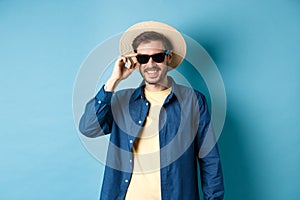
(152, 82)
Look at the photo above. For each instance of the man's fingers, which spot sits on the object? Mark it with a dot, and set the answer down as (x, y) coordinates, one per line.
(123, 59)
(129, 60)
(130, 55)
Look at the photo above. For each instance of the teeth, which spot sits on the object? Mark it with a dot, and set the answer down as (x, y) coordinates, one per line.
(152, 71)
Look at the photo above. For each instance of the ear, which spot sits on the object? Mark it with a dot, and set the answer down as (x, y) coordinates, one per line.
(169, 57)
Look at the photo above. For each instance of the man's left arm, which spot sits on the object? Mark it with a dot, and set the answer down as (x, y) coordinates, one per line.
(208, 155)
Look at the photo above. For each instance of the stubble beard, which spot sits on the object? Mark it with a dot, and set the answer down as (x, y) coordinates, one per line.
(159, 80)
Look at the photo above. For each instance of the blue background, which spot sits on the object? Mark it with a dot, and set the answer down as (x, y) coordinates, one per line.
(255, 45)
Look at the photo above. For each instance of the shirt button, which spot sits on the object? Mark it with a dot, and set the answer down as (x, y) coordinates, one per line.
(130, 161)
(147, 104)
(140, 122)
(99, 102)
(130, 141)
(126, 181)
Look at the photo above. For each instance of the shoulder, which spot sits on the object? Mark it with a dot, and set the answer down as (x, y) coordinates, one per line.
(124, 95)
(188, 93)
(124, 92)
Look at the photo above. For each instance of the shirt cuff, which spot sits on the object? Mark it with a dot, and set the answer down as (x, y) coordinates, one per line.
(103, 96)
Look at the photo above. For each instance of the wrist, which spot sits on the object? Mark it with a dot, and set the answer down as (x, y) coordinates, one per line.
(111, 84)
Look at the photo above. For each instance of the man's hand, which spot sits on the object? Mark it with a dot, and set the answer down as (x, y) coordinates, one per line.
(123, 67)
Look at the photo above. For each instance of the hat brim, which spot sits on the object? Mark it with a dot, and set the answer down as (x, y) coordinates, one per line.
(178, 42)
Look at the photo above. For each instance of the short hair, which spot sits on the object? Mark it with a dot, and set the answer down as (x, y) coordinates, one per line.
(149, 36)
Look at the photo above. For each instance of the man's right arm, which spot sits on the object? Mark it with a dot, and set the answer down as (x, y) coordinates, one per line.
(97, 118)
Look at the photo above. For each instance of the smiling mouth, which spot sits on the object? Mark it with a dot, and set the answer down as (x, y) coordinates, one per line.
(152, 70)
(153, 73)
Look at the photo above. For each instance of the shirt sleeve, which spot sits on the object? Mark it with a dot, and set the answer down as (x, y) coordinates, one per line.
(208, 156)
(97, 117)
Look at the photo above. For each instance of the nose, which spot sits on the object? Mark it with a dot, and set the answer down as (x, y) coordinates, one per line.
(150, 61)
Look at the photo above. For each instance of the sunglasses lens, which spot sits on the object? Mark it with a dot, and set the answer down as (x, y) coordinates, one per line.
(159, 58)
(143, 58)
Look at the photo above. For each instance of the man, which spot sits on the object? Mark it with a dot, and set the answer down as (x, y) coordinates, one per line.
(158, 129)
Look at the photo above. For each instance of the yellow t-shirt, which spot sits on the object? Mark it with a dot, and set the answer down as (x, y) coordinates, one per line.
(145, 180)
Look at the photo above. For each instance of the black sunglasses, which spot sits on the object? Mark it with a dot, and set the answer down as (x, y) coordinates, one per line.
(158, 57)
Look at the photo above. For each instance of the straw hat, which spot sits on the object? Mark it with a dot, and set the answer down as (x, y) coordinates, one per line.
(178, 42)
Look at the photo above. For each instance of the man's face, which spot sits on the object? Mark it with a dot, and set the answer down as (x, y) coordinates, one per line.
(153, 72)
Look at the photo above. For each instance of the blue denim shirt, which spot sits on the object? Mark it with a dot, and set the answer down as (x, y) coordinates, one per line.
(185, 138)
